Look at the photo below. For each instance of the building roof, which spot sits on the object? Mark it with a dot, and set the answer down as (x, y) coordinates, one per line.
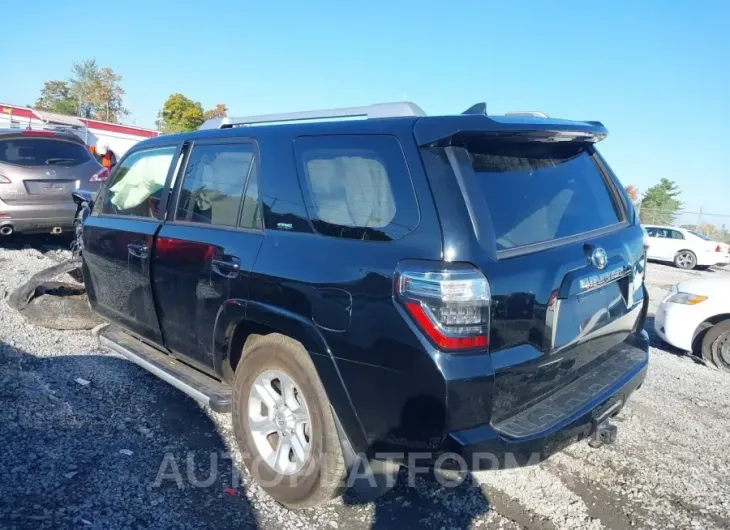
(73, 121)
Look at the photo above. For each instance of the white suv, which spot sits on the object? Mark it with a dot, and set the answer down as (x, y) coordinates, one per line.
(682, 247)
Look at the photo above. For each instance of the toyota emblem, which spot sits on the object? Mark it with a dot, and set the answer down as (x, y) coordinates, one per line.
(599, 258)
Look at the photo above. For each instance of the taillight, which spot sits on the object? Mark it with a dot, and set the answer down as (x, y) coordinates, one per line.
(4, 180)
(718, 249)
(449, 302)
(100, 176)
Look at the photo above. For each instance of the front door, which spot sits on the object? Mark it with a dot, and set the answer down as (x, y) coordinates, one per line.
(207, 247)
(118, 241)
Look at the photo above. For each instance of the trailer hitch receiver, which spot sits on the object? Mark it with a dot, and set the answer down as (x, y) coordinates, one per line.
(604, 432)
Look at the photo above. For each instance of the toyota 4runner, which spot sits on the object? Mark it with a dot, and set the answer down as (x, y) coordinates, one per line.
(372, 281)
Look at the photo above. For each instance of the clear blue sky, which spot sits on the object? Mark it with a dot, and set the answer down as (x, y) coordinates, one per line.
(657, 73)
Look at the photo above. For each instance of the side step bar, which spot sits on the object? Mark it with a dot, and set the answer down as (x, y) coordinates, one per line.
(194, 383)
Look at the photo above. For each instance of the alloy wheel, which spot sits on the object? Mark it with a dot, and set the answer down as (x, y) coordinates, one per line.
(279, 421)
(685, 260)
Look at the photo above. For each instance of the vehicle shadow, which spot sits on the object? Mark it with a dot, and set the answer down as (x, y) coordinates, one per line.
(422, 501)
(94, 441)
(84, 444)
(420, 495)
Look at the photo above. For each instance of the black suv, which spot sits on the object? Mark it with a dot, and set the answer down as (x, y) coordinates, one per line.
(369, 283)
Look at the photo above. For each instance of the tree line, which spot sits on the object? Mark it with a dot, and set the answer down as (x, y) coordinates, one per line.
(95, 92)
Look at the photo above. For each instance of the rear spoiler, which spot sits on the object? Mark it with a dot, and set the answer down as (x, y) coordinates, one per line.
(449, 130)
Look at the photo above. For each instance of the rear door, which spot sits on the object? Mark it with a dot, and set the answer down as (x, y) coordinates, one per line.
(654, 244)
(42, 168)
(118, 240)
(206, 249)
(563, 260)
(666, 245)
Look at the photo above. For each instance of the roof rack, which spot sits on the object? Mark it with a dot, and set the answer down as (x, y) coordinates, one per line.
(379, 110)
(530, 113)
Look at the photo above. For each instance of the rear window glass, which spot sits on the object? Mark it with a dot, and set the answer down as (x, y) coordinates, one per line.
(42, 152)
(538, 192)
(701, 236)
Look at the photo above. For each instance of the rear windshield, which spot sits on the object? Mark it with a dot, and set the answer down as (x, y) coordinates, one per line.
(538, 192)
(701, 236)
(42, 152)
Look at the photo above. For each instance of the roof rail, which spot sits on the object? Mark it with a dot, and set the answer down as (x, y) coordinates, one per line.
(378, 110)
(530, 113)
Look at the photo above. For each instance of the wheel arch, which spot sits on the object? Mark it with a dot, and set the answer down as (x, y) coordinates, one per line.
(238, 321)
(703, 327)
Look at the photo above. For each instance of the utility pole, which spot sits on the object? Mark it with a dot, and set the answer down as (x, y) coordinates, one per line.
(699, 220)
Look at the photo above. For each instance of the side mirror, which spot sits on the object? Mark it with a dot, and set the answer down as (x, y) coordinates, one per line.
(84, 201)
(82, 196)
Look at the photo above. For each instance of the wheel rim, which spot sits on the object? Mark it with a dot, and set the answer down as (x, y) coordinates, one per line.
(278, 418)
(721, 351)
(685, 260)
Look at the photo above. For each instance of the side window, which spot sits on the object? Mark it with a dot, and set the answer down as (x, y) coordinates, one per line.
(651, 231)
(357, 187)
(662, 233)
(135, 187)
(676, 234)
(213, 184)
(251, 211)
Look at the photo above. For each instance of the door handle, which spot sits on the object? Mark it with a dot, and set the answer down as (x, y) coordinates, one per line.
(227, 266)
(138, 249)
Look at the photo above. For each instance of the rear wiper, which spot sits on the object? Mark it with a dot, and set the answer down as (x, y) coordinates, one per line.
(53, 161)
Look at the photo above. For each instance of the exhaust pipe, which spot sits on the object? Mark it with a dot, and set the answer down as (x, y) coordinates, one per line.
(56, 230)
(6, 230)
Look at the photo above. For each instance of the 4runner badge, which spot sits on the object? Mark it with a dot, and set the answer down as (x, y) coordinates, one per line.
(599, 258)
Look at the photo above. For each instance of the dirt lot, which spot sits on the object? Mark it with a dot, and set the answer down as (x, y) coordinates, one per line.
(126, 450)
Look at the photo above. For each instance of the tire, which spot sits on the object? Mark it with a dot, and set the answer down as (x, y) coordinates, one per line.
(716, 345)
(685, 259)
(322, 476)
(66, 312)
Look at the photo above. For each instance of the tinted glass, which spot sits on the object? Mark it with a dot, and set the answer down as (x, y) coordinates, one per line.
(251, 211)
(675, 234)
(651, 231)
(42, 152)
(539, 192)
(136, 185)
(213, 184)
(358, 187)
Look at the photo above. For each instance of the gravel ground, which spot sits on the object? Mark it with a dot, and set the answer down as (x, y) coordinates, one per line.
(89, 440)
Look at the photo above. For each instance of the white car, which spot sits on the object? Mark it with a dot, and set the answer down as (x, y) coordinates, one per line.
(723, 249)
(682, 247)
(695, 315)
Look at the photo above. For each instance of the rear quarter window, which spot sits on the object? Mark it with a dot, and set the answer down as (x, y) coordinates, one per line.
(357, 186)
(539, 192)
(42, 152)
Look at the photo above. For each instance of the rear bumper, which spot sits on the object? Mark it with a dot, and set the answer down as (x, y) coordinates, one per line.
(708, 259)
(564, 418)
(37, 217)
